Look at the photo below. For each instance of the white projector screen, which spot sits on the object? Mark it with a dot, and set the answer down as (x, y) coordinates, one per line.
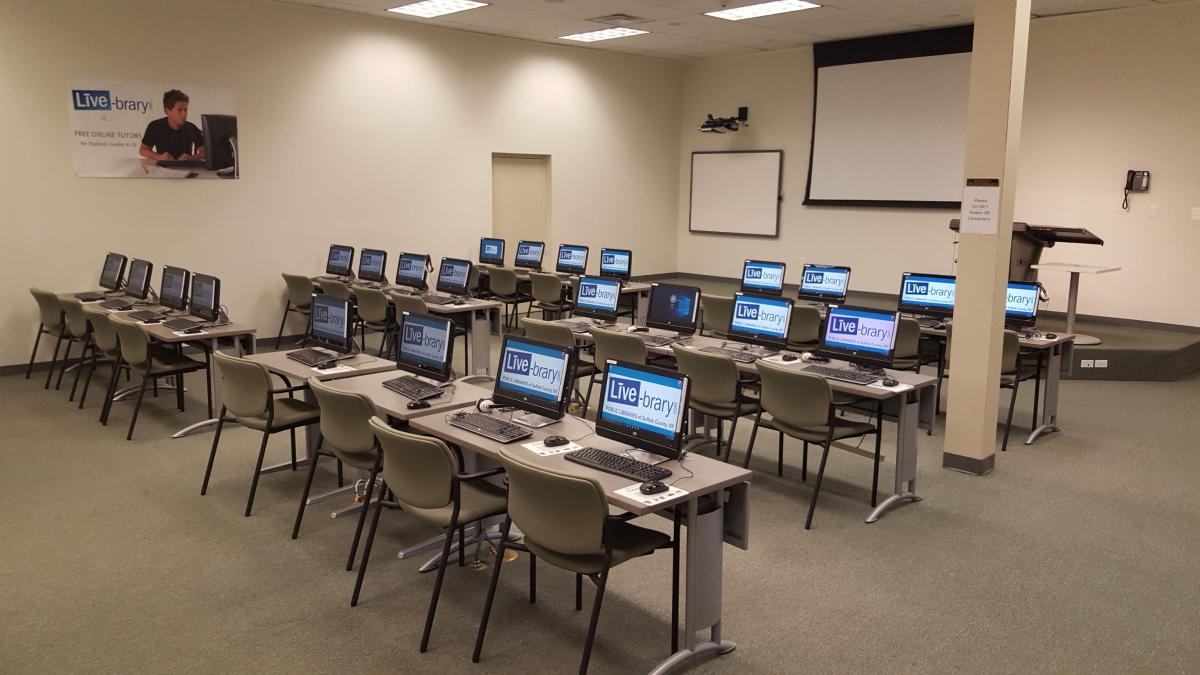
(736, 192)
(889, 125)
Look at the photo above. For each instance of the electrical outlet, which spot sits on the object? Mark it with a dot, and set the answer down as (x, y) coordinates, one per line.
(1087, 363)
(1154, 211)
(1101, 363)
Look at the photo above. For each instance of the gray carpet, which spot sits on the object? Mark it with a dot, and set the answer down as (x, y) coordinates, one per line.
(1078, 554)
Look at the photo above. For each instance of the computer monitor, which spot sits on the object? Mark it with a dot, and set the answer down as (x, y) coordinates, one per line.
(534, 377)
(371, 262)
(338, 263)
(825, 283)
(453, 276)
(113, 271)
(205, 301)
(173, 288)
(529, 254)
(220, 137)
(572, 259)
(673, 307)
(425, 345)
(760, 319)
(860, 335)
(1021, 303)
(760, 276)
(330, 325)
(597, 298)
(491, 251)
(644, 406)
(138, 284)
(411, 270)
(927, 294)
(616, 263)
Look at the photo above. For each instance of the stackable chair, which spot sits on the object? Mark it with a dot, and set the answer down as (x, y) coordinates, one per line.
(104, 347)
(299, 301)
(548, 295)
(617, 345)
(717, 313)
(505, 289)
(414, 305)
(716, 390)
(561, 336)
(152, 365)
(374, 314)
(51, 323)
(804, 329)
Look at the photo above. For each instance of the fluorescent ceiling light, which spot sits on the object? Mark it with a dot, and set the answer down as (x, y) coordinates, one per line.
(606, 34)
(762, 9)
(431, 8)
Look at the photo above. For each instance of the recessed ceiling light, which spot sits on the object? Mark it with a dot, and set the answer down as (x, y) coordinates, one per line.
(605, 34)
(431, 8)
(762, 9)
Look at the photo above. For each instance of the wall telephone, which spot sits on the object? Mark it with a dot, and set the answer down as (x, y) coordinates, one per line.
(1135, 181)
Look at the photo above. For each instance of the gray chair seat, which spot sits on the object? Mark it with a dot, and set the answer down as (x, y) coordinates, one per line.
(842, 428)
(480, 500)
(162, 362)
(749, 406)
(628, 542)
(289, 412)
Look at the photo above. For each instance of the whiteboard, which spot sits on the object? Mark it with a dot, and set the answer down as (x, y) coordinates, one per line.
(736, 192)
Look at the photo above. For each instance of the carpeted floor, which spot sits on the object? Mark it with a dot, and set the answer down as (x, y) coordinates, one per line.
(1077, 554)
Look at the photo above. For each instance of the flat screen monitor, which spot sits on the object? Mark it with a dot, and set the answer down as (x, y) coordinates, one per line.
(533, 377)
(371, 262)
(572, 259)
(597, 298)
(927, 294)
(338, 263)
(860, 335)
(616, 263)
(673, 307)
(760, 276)
(411, 270)
(220, 139)
(173, 288)
(138, 284)
(760, 319)
(453, 276)
(330, 323)
(529, 254)
(113, 271)
(491, 251)
(206, 297)
(825, 283)
(643, 406)
(425, 345)
(1020, 303)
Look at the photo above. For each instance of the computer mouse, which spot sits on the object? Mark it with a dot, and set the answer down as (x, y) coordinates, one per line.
(417, 404)
(191, 331)
(938, 326)
(789, 357)
(639, 329)
(325, 365)
(889, 381)
(554, 441)
(654, 487)
(1051, 336)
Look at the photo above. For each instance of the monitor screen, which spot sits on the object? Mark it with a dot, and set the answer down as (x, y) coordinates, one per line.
(371, 263)
(491, 251)
(673, 308)
(339, 260)
(533, 377)
(616, 262)
(114, 269)
(206, 296)
(411, 270)
(763, 277)
(173, 290)
(425, 345)
(597, 298)
(825, 283)
(760, 319)
(138, 284)
(453, 276)
(220, 140)
(927, 294)
(572, 259)
(644, 407)
(1020, 303)
(529, 254)
(331, 323)
(860, 335)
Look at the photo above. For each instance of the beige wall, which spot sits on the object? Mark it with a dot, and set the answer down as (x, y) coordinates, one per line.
(365, 131)
(1105, 92)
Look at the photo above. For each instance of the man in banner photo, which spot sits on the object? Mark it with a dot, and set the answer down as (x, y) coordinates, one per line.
(173, 137)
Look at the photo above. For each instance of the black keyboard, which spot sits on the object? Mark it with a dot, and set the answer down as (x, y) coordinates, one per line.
(116, 304)
(844, 374)
(182, 163)
(90, 296)
(309, 357)
(739, 355)
(491, 427)
(440, 300)
(413, 388)
(656, 340)
(577, 326)
(145, 315)
(182, 324)
(618, 465)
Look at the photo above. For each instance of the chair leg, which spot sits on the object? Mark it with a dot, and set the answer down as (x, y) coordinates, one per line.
(588, 401)
(287, 307)
(37, 340)
(312, 470)
(491, 594)
(62, 369)
(262, 452)
(137, 407)
(208, 382)
(804, 464)
(578, 592)
(1037, 390)
(341, 479)
(753, 435)
(362, 517)
(532, 579)
(812, 505)
(53, 362)
(732, 430)
(878, 450)
(437, 584)
(87, 381)
(292, 434)
(591, 634)
(110, 392)
(179, 392)
(779, 468)
(1012, 404)
(720, 435)
(212, 455)
(362, 566)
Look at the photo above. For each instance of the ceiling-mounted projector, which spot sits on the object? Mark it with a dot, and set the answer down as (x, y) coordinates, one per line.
(719, 125)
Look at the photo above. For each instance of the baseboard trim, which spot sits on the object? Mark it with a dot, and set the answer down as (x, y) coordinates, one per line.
(971, 465)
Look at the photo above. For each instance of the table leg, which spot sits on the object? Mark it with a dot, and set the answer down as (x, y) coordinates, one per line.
(481, 340)
(1072, 300)
(912, 405)
(641, 305)
(1050, 398)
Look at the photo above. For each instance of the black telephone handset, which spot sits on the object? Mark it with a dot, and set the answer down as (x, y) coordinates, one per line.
(1135, 181)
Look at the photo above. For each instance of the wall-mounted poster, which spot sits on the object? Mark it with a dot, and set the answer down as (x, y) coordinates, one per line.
(152, 130)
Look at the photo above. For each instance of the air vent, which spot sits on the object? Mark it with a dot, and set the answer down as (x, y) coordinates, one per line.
(620, 20)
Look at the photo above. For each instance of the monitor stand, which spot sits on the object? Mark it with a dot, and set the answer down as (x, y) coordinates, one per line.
(534, 420)
(644, 456)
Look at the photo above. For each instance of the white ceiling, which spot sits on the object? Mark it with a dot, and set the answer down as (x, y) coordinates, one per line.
(679, 30)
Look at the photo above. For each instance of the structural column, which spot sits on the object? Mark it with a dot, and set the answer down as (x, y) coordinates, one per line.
(993, 138)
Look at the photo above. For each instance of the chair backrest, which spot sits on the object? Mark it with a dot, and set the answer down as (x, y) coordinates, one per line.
(616, 345)
(794, 397)
(718, 310)
(502, 281)
(49, 308)
(245, 385)
(562, 512)
(335, 289)
(344, 417)
(135, 343)
(419, 469)
(408, 303)
(546, 287)
(805, 325)
(473, 280)
(548, 332)
(1008, 357)
(908, 339)
(299, 289)
(104, 334)
(714, 376)
(76, 320)
(372, 305)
